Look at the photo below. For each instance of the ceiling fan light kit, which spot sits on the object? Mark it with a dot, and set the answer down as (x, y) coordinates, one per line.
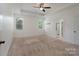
(41, 8)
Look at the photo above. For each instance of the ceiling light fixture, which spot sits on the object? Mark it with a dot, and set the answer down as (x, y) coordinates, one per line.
(42, 9)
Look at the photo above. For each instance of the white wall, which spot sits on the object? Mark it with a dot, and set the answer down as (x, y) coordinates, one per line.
(30, 26)
(50, 28)
(71, 19)
(7, 28)
(8, 31)
(30, 20)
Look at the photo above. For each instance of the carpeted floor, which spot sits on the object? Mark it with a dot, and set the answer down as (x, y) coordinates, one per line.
(42, 46)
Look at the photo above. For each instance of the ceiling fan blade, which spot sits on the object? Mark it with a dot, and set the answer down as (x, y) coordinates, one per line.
(37, 5)
(47, 7)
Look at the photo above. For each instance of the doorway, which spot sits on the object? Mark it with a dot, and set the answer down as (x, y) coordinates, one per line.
(59, 29)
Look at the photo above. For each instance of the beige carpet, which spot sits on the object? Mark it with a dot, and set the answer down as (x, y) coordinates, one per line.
(42, 46)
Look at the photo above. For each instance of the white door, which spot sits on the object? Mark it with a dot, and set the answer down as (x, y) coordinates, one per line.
(59, 29)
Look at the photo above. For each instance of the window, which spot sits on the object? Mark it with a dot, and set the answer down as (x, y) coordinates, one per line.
(19, 23)
(40, 24)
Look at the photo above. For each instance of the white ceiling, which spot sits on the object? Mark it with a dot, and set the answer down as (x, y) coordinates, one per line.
(27, 7)
(54, 7)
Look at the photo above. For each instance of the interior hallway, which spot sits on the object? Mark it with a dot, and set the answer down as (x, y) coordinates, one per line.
(42, 46)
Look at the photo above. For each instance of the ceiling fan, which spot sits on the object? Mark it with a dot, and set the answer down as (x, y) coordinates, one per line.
(42, 6)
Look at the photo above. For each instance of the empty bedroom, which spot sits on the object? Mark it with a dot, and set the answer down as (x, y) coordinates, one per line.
(39, 29)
